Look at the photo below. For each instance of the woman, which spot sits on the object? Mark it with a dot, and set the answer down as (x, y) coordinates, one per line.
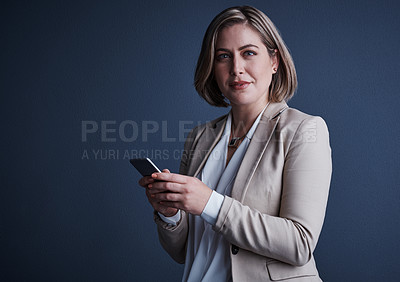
(250, 199)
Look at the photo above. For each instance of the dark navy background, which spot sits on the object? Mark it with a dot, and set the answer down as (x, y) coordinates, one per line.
(70, 217)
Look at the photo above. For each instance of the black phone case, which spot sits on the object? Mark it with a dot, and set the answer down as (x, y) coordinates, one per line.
(144, 166)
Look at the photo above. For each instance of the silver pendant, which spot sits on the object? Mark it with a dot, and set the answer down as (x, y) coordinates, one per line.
(234, 141)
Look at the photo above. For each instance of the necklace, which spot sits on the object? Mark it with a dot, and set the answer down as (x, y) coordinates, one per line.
(234, 143)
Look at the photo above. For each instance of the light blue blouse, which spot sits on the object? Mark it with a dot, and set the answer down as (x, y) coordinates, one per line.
(207, 254)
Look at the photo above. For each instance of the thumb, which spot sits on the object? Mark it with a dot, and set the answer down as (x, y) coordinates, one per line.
(166, 170)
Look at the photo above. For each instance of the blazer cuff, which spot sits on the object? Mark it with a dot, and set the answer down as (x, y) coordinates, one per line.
(171, 219)
(165, 225)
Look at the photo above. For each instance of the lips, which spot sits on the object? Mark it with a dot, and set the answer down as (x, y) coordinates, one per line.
(239, 85)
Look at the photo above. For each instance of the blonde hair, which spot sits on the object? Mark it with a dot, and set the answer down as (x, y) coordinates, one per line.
(284, 81)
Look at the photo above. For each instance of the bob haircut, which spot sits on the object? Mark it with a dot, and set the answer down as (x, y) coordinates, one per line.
(284, 81)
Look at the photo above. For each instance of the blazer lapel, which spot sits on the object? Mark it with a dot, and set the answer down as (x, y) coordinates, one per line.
(207, 141)
(256, 149)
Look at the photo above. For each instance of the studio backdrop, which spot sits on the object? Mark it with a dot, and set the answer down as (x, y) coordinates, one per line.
(87, 85)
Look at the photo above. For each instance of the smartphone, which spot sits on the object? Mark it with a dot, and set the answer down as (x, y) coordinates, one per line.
(145, 166)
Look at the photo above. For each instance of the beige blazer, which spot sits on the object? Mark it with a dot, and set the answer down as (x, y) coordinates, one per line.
(275, 212)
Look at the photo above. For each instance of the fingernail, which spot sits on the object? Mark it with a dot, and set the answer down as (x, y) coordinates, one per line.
(154, 175)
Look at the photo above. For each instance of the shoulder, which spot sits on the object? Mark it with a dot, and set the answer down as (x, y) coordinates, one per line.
(298, 128)
(292, 114)
(293, 119)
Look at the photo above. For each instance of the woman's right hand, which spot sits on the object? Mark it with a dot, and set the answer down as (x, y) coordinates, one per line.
(165, 211)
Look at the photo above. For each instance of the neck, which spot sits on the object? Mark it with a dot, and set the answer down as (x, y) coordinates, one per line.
(243, 118)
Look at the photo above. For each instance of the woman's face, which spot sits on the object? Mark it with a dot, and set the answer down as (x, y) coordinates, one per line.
(243, 68)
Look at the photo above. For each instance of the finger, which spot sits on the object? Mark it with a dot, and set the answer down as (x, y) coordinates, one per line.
(165, 170)
(156, 204)
(148, 194)
(170, 177)
(166, 186)
(166, 197)
(176, 205)
(159, 207)
(152, 201)
(157, 186)
(153, 190)
(166, 211)
(146, 180)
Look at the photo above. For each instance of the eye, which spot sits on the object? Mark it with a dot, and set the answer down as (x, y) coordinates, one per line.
(249, 53)
(223, 56)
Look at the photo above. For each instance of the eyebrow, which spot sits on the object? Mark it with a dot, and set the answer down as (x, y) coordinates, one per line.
(240, 48)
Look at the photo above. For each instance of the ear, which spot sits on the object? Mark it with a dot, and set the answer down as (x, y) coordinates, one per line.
(275, 61)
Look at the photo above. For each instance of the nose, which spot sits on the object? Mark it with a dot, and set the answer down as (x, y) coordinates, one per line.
(237, 66)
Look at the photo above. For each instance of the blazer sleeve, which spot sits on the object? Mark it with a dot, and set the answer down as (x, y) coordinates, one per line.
(292, 236)
(173, 238)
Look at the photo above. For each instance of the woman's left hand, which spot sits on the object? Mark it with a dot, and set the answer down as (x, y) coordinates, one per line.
(180, 191)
